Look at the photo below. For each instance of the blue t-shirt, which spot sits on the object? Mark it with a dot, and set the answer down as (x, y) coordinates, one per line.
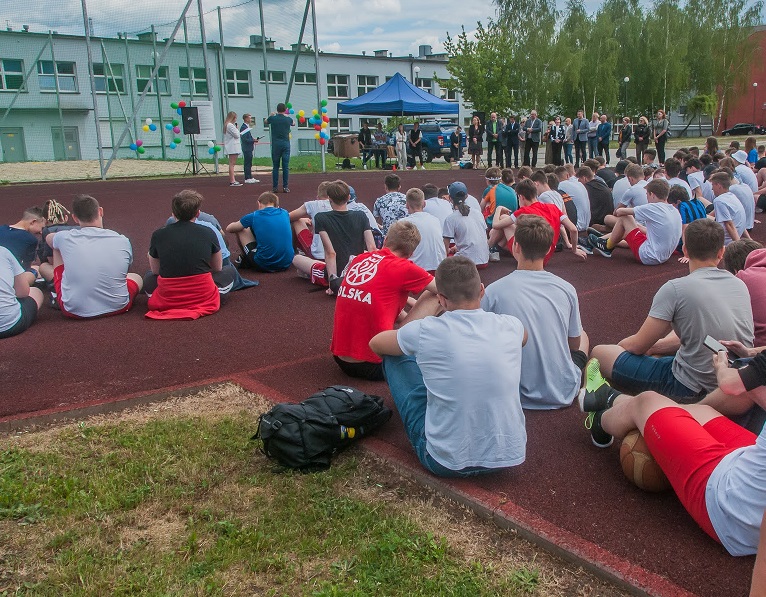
(21, 244)
(690, 210)
(274, 237)
(280, 128)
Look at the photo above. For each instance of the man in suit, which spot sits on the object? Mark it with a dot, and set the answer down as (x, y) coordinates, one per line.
(248, 145)
(580, 138)
(512, 136)
(534, 130)
(493, 140)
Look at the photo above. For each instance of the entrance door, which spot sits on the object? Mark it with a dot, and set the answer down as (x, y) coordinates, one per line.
(70, 148)
(12, 143)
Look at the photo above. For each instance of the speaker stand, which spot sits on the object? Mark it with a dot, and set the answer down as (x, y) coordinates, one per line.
(194, 164)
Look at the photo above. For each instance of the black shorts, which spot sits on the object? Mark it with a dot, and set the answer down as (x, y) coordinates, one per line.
(579, 358)
(363, 370)
(28, 316)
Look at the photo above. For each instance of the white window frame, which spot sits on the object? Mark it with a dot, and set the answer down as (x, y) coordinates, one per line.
(276, 77)
(189, 85)
(5, 73)
(335, 86)
(163, 78)
(366, 83)
(236, 77)
(57, 76)
(449, 95)
(300, 78)
(340, 125)
(419, 82)
(105, 78)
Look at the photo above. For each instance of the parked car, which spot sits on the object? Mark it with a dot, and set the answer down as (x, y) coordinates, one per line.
(745, 128)
(435, 136)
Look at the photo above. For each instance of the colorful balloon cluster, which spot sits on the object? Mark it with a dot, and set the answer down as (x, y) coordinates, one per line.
(138, 146)
(212, 148)
(321, 122)
(173, 126)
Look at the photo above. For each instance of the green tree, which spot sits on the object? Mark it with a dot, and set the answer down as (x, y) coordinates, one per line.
(571, 57)
(697, 107)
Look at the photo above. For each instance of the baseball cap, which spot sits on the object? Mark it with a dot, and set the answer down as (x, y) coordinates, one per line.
(352, 193)
(457, 190)
(740, 156)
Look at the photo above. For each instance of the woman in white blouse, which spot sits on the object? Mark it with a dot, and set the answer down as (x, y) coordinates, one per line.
(231, 145)
(401, 147)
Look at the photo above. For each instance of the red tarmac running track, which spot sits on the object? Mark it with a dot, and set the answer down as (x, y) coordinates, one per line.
(275, 339)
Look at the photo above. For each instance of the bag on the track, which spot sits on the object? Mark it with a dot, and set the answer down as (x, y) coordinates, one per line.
(305, 436)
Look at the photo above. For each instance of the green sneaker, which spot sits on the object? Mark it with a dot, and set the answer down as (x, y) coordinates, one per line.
(597, 393)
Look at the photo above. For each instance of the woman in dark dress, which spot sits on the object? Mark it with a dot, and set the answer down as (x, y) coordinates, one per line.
(475, 135)
(556, 136)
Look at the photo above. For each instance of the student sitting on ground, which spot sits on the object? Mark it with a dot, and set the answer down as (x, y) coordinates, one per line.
(57, 218)
(392, 206)
(569, 184)
(727, 209)
(18, 302)
(430, 250)
(668, 354)
(717, 468)
(527, 194)
(21, 239)
(183, 258)
(436, 203)
(457, 388)
(466, 226)
(651, 243)
(599, 196)
(488, 202)
(90, 265)
(302, 220)
(344, 234)
(371, 298)
(265, 236)
(547, 306)
(746, 259)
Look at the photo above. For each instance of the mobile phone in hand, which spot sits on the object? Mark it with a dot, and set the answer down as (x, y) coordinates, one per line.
(716, 347)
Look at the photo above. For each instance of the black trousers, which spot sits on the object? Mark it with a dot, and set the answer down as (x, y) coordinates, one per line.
(494, 145)
(512, 149)
(581, 151)
(603, 149)
(530, 153)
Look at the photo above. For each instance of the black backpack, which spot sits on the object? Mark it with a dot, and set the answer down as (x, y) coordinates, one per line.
(305, 436)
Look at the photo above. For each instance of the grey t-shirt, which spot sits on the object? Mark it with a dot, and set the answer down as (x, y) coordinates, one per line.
(707, 301)
(549, 310)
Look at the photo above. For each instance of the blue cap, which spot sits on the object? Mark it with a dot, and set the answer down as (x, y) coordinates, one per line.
(457, 190)
(352, 193)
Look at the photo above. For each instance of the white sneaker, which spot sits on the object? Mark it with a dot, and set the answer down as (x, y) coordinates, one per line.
(252, 181)
(422, 167)
(235, 184)
(364, 166)
(494, 256)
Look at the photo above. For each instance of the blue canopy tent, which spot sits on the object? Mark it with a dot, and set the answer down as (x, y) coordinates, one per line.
(397, 97)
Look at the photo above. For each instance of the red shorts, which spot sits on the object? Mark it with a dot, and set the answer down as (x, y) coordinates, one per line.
(688, 452)
(317, 275)
(305, 238)
(58, 274)
(635, 239)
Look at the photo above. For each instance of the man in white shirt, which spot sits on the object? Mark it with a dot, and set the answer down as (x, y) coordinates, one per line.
(695, 176)
(302, 221)
(579, 194)
(729, 212)
(622, 184)
(743, 171)
(430, 251)
(652, 244)
(634, 196)
(436, 204)
(457, 388)
(742, 192)
(18, 302)
(547, 306)
(673, 169)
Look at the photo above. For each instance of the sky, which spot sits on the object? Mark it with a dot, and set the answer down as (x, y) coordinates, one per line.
(346, 26)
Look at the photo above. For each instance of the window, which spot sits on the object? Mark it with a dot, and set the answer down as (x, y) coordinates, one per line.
(388, 78)
(448, 94)
(143, 79)
(238, 82)
(365, 84)
(305, 124)
(114, 73)
(337, 86)
(11, 75)
(49, 72)
(194, 85)
(340, 125)
(424, 84)
(305, 78)
(275, 76)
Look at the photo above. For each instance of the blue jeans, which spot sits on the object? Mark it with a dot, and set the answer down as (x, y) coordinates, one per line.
(280, 151)
(635, 373)
(410, 396)
(592, 147)
(568, 153)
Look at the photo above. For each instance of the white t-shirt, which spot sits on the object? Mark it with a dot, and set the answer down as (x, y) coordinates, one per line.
(475, 206)
(579, 194)
(471, 362)
(635, 195)
(734, 497)
(547, 306)
(696, 180)
(747, 176)
(552, 197)
(620, 187)
(470, 236)
(728, 208)
(746, 198)
(10, 309)
(681, 182)
(96, 262)
(439, 208)
(312, 209)
(430, 252)
(663, 231)
(707, 191)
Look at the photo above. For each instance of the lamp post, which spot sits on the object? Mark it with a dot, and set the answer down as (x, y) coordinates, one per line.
(626, 80)
(755, 90)
(415, 78)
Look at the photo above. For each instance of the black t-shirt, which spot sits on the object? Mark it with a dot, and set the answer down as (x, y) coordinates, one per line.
(184, 249)
(608, 175)
(760, 164)
(415, 136)
(346, 231)
(601, 202)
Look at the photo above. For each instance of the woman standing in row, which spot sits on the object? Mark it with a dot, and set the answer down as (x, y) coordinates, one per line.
(556, 138)
(401, 147)
(231, 145)
(642, 135)
(475, 135)
(661, 127)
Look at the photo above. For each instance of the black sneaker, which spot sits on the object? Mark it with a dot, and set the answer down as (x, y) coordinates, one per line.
(592, 230)
(597, 394)
(275, 190)
(285, 190)
(54, 300)
(583, 244)
(599, 245)
(599, 437)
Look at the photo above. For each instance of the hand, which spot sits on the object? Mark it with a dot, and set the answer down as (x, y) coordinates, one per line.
(683, 260)
(580, 253)
(721, 360)
(738, 348)
(329, 292)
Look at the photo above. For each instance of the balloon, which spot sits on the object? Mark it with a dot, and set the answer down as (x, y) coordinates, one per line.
(315, 111)
(169, 126)
(141, 150)
(152, 127)
(175, 122)
(210, 144)
(133, 146)
(177, 140)
(301, 119)
(301, 113)
(317, 127)
(326, 118)
(324, 110)
(322, 141)
(145, 128)
(217, 148)
(292, 111)
(148, 121)
(323, 102)
(211, 151)
(174, 106)
(176, 130)
(289, 105)
(323, 125)
(172, 145)
(182, 104)
(317, 136)
(139, 143)
(179, 110)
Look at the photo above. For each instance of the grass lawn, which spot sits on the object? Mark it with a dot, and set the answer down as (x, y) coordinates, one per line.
(173, 499)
